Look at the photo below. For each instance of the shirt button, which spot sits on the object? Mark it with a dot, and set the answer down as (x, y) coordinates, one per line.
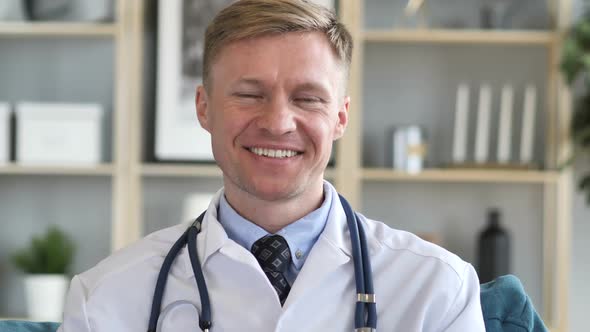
(298, 254)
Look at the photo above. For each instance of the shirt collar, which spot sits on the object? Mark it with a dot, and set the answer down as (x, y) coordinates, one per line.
(301, 235)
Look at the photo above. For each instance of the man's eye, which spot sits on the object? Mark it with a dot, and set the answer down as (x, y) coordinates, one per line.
(308, 100)
(249, 95)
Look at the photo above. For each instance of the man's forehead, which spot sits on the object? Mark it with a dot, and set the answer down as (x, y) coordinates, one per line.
(254, 61)
(315, 42)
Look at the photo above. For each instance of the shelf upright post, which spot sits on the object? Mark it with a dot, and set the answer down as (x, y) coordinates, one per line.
(549, 189)
(557, 196)
(564, 189)
(126, 223)
(348, 154)
(136, 61)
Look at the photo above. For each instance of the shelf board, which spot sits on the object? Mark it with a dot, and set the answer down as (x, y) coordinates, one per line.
(191, 170)
(56, 29)
(465, 176)
(461, 36)
(180, 170)
(100, 170)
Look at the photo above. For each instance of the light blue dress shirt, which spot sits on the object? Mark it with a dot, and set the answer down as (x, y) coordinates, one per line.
(300, 235)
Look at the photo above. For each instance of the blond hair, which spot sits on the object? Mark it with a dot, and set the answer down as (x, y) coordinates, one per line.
(246, 19)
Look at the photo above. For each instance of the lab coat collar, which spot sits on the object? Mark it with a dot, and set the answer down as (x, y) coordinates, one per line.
(330, 252)
(211, 238)
(336, 231)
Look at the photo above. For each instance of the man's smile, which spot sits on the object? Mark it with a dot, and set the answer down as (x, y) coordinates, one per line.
(274, 153)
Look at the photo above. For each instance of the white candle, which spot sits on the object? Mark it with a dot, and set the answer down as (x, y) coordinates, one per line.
(461, 118)
(483, 120)
(528, 121)
(400, 149)
(415, 153)
(505, 128)
(4, 133)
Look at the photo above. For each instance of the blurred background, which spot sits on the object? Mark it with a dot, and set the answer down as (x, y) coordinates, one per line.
(465, 119)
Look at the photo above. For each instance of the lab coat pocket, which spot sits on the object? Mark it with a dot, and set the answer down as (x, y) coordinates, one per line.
(179, 316)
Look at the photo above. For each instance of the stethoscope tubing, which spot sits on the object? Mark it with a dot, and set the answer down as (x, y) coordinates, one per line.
(365, 313)
(368, 277)
(205, 317)
(359, 316)
(161, 283)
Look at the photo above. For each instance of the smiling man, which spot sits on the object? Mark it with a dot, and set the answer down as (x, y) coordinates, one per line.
(274, 247)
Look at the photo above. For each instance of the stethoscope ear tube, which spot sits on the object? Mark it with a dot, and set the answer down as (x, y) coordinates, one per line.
(188, 237)
(161, 283)
(362, 272)
(359, 316)
(205, 316)
(368, 277)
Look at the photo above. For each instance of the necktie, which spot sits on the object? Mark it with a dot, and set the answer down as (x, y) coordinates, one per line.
(274, 256)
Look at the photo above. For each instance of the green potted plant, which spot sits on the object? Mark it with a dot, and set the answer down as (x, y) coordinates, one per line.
(46, 262)
(575, 65)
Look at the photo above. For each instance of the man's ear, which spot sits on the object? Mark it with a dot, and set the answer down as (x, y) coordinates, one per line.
(342, 118)
(202, 103)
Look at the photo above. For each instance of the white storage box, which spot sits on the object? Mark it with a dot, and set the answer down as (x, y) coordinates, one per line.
(58, 134)
(4, 133)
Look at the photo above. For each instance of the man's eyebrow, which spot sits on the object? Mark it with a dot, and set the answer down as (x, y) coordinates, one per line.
(304, 86)
(309, 86)
(248, 81)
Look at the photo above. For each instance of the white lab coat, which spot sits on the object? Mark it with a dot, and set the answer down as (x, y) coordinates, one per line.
(418, 286)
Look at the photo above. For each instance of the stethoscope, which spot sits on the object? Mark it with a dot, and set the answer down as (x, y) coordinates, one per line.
(365, 319)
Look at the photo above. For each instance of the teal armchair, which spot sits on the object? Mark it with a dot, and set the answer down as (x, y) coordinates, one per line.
(21, 326)
(505, 306)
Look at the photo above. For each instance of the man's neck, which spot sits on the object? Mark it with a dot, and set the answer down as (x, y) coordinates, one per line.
(273, 216)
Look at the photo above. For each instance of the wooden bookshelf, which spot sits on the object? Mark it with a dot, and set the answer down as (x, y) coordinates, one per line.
(191, 170)
(180, 170)
(99, 170)
(461, 36)
(462, 176)
(61, 29)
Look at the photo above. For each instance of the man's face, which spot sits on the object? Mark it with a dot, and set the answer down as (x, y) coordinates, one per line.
(274, 106)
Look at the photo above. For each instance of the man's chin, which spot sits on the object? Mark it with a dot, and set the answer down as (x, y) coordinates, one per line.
(274, 194)
(271, 190)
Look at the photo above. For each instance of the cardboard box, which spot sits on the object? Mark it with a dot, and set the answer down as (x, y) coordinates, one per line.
(4, 133)
(59, 134)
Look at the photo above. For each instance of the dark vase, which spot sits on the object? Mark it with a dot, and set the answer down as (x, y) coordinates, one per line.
(493, 249)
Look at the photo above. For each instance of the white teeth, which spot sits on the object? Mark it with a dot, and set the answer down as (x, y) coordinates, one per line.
(274, 153)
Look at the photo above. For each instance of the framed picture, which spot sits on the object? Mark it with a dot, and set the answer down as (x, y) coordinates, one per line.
(181, 30)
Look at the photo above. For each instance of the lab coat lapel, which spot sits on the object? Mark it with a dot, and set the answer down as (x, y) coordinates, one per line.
(331, 251)
(211, 238)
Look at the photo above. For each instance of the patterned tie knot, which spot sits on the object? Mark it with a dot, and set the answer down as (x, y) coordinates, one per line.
(272, 253)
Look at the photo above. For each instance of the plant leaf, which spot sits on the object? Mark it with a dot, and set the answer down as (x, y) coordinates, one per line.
(51, 253)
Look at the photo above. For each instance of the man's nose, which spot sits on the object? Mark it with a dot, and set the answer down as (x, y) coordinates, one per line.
(278, 118)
